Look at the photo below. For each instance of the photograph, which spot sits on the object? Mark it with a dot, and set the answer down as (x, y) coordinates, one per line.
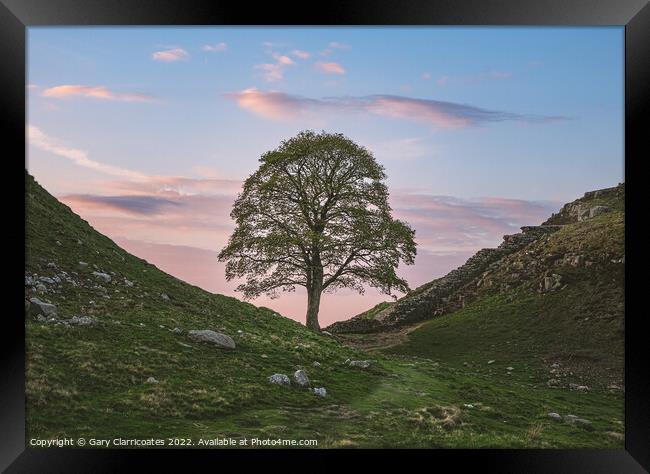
(325, 237)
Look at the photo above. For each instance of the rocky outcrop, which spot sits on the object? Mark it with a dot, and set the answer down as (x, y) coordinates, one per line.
(592, 204)
(446, 294)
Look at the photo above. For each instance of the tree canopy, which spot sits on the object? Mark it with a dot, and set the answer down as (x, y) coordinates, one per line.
(316, 214)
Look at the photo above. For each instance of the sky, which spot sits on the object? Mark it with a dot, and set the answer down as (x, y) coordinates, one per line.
(148, 133)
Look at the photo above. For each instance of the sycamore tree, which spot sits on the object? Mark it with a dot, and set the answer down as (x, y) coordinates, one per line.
(316, 214)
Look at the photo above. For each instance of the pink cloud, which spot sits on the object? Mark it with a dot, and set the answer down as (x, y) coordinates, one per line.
(93, 92)
(281, 106)
(330, 68)
(284, 60)
(171, 55)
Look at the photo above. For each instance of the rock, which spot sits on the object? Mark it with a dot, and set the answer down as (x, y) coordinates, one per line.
(301, 378)
(51, 264)
(316, 364)
(554, 416)
(29, 281)
(83, 321)
(491, 362)
(615, 435)
(510, 369)
(58, 243)
(326, 333)
(320, 391)
(216, 338)
(164, 296)
(582, 423)
(468, 405)
(37, 307)
(152, 380)
(40, 318)
(128, 283)
(280, 379)
(105, 277)
(83, 264)
(41, 288)
(177, 331)
(598, 210)
(364, 364)
(47, 280)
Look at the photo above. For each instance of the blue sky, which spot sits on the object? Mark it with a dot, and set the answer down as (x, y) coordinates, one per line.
(460, 115)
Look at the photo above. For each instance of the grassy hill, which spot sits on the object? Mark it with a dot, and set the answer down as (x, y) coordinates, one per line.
(91, 380)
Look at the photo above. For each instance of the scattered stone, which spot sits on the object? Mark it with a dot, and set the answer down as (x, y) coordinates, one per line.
(37, 307)
(364, 364)
(615, 435)
(491, 362)
(105, 277)
(51, 264)
(468, 405)
(554, 416)
(47, 280)
(29, 281)
(58, 243)
(83, 321)
(83, 264)
(164, 296)
(326, 333)
(185, 345)
(301, 378)
(239, 331)
(280, 379)
(152, 380)
(320, 391)
(216, 338)
(41, 288)
(128, 283)
(316, 364)
(177, 331)
(40, 318)
(509, 369)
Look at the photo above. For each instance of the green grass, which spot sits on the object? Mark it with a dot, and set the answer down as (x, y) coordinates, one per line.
(90, 381)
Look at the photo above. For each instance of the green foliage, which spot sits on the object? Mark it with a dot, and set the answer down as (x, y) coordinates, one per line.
(316, 214)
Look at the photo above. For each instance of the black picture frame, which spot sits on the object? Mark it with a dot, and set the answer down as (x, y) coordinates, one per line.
(17, 15)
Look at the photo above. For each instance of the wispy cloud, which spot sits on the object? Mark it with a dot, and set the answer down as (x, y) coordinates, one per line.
(301, 54)
(271, 72)
(215, 48)
(338, 45)
(330, 68)
(44, 142)
(426, 76)
(94, 92)
(281, 106)
(144, 205)
(171, 55)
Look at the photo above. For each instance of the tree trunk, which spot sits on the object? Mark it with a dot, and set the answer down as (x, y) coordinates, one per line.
(313, 299)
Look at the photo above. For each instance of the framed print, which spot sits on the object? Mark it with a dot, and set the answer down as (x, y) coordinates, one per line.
(258, 235)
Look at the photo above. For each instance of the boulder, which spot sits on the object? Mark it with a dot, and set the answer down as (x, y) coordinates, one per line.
(320, 391)
(105, 277)
(301, 378)
(37, 307)
(212, 337)
(47, 280)
(280, 379)
(83, 321)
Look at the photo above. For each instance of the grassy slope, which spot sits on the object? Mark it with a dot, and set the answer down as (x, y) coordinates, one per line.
(90, 381)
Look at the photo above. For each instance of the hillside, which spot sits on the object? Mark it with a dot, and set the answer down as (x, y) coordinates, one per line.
(571, 246)
(121, 321)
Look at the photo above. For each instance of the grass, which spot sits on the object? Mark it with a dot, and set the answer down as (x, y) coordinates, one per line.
(91, 381)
